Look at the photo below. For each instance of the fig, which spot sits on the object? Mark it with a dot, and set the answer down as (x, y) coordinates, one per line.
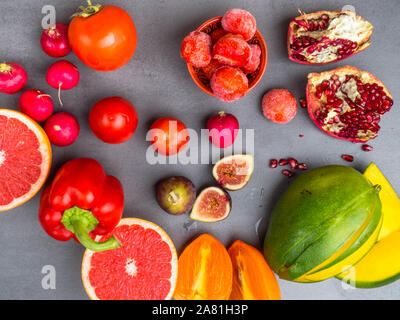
(234, 172)
(213, 204)
(175, 195)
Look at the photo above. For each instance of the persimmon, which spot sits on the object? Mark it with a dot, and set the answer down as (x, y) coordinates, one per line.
(253, 279)
(205, 271)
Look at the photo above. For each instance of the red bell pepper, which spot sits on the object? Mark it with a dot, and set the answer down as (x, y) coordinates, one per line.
(82, 202)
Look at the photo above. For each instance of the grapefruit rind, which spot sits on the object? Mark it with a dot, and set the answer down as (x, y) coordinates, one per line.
(44, 149)
(147, 225)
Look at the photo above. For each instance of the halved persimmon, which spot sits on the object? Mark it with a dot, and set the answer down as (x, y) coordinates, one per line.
(205, 271)
(253, 279)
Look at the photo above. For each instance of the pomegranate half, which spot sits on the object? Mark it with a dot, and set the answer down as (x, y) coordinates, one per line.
(347, 103)
(327, 36)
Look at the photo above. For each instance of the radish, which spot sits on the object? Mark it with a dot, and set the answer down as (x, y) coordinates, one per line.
(62, 129)
(62, 75)
(223, 129)
(54, 40)
(36, 104)
(13, 77)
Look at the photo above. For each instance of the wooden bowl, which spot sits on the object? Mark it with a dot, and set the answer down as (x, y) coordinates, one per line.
(254, 78)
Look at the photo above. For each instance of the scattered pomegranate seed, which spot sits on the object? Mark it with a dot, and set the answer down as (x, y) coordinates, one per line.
(283, 162)
(367, 147)
(347, 157)
(293, 163)
(302, 166)
(273, 163)
(301, 135)
(287, 173)
(303, 103)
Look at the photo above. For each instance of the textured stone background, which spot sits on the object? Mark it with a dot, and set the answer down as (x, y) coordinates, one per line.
(156, 81)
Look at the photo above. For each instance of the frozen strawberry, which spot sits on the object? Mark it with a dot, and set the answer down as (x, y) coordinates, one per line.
(229, 84)
(217, 34)
(279, 105)
(254, 60)
(196, 49)
(241, 22)
(232, 50)
(210, 68)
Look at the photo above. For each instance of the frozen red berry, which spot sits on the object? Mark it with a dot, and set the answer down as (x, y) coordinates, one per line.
(217, 34)
(279, 105)
(240, 21)
(210, 68)
(229, 84)
(254, 60)
(232, 50)
(196, 49)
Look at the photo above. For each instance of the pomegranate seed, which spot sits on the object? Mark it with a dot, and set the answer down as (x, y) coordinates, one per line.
(303, 103)
(367, 147)
(302, 166)
(293, 163)
(325, 17)
(273, 163)
(283, 162)
(347, 157)
(287, 173)
(301, 135)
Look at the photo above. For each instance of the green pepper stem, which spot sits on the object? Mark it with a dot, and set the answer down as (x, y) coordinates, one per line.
(81, 222)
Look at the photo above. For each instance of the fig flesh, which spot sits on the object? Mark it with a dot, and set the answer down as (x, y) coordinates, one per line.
(213, 204)
(175, 195)
(234, 172)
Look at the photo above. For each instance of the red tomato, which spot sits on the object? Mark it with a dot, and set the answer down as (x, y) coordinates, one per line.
(103, 37)
(168, 136)
(113, 120)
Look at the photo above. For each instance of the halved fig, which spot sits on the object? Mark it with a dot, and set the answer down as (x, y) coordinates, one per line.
(213, 204)
(347, 103)
(327, 36)
(234, 172)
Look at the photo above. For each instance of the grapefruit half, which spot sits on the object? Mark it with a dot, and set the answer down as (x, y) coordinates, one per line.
(25, 158)
(145, 267)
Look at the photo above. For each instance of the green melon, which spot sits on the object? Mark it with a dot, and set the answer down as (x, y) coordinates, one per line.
(323, 211)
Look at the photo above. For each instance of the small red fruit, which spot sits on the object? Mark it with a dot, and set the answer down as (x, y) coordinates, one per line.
(223, 129)
(36, 104)
(62, 129)
(367, 147)
(279, 105)
(196, 49)
(240, 21)
(273, 163)
(13, 77)
(229, 84)
(254, 60)
(232, 50)
(54, 40)
(347, 157)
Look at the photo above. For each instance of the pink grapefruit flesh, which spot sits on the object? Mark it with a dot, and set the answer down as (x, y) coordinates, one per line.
(144, 268)
(25, 158)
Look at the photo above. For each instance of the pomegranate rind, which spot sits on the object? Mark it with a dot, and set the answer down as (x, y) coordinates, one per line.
(363, 43)
(197, 215)
(44, 149)
(248, 170)
(313, 103)
(86, 261)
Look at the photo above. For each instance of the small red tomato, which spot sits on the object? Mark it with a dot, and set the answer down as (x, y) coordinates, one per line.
(113, 120)
(168, 136)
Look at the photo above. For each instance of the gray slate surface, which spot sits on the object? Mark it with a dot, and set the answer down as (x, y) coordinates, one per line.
(157, 83)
